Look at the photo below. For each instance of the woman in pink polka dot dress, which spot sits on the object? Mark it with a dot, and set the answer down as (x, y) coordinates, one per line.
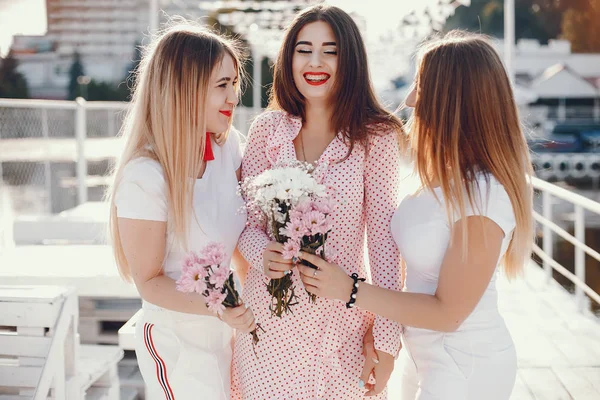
(323, 111)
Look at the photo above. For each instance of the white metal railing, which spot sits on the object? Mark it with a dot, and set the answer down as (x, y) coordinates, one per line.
(6, 220)
(56, 127)
(581, 204)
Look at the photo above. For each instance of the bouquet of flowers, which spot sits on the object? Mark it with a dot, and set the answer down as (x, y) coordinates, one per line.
(297, 211)
(206, 274)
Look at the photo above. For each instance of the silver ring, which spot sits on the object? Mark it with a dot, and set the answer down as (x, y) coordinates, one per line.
(315, 273)
(376, 361)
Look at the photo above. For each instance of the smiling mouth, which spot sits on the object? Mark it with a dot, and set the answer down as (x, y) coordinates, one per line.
(226, 113)
(316, 79)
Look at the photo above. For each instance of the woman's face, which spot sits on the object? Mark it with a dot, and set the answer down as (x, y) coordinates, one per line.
(314, 63)
(222, 96)
(411, 97)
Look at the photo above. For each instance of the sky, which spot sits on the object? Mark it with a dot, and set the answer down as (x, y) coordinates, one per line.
(28, 17)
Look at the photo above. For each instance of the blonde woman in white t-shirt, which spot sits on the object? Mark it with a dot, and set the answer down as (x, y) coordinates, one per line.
(472, 214)
(175, 191)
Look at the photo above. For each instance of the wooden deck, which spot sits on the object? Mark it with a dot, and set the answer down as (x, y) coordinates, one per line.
(558, 348)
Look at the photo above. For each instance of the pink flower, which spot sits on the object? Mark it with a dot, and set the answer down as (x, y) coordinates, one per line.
(192, 259)
(214, 301)
(219, 276)
(213, 253)
(304, 206)
(322, 228)
(324, 205)
(294, 229)
(291, 249)
(315, 222)
(192, 280)
(295, 214)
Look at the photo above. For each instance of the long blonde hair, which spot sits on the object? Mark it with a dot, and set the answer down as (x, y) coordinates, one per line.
(465, 123)
(165, 121)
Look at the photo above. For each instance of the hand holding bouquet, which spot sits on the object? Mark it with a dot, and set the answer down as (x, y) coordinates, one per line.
(206, 274)
(297, 212)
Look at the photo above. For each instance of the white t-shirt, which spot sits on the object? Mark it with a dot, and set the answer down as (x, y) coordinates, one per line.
(142, 194)
(421, 231)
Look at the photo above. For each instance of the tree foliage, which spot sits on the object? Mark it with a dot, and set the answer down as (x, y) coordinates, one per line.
(75, 71)
(582, 28)
(12, 83)
(534, 19)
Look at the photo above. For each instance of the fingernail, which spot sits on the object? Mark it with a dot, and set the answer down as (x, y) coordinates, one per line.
(361, 384)
(294, 259)
(287, 272)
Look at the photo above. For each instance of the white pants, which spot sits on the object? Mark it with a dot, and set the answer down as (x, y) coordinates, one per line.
(183, 356)
(457, 366)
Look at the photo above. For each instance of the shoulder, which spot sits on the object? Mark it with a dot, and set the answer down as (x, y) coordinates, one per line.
(143, 166)
(275, 121)
(268, 119)
(144, 171)
(489, 189)
(383, 133)
(141, 192)
(492, 200)
(383, 140)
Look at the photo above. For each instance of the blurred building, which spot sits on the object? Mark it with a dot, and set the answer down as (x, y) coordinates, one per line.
(103, 32)
(566, 85)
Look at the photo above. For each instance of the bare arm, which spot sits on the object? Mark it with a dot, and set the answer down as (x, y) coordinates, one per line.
(144, 246)
(241, 265)
(462, 282)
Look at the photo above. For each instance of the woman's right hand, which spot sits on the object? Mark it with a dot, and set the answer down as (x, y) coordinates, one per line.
(274, 265)
(240, 318)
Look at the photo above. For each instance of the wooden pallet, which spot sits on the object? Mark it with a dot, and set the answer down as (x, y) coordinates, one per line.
(101, 318)
(34, 320)
(40, 349)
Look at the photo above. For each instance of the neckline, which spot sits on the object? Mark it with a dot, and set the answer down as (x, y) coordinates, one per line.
(319, 160)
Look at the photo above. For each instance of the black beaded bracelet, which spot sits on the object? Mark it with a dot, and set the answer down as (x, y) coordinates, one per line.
(354, 276)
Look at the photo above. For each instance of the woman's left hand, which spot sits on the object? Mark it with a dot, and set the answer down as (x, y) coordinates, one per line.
(329, 280)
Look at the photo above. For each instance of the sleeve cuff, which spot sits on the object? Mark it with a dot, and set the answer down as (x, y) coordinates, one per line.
(252, 246)
(387, 336)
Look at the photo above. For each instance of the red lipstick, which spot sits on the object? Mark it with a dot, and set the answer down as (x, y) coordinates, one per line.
(316, 78)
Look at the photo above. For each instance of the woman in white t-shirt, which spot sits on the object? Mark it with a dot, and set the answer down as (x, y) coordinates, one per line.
(175, 192)
(472, 213)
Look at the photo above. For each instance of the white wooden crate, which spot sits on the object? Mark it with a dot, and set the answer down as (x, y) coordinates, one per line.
(33, 320)
(127, 332)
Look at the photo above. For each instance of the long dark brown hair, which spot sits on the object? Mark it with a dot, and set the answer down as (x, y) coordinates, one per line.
(358, 113)
(466, 122)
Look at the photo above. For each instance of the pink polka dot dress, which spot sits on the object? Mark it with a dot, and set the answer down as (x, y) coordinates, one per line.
(316, 352)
